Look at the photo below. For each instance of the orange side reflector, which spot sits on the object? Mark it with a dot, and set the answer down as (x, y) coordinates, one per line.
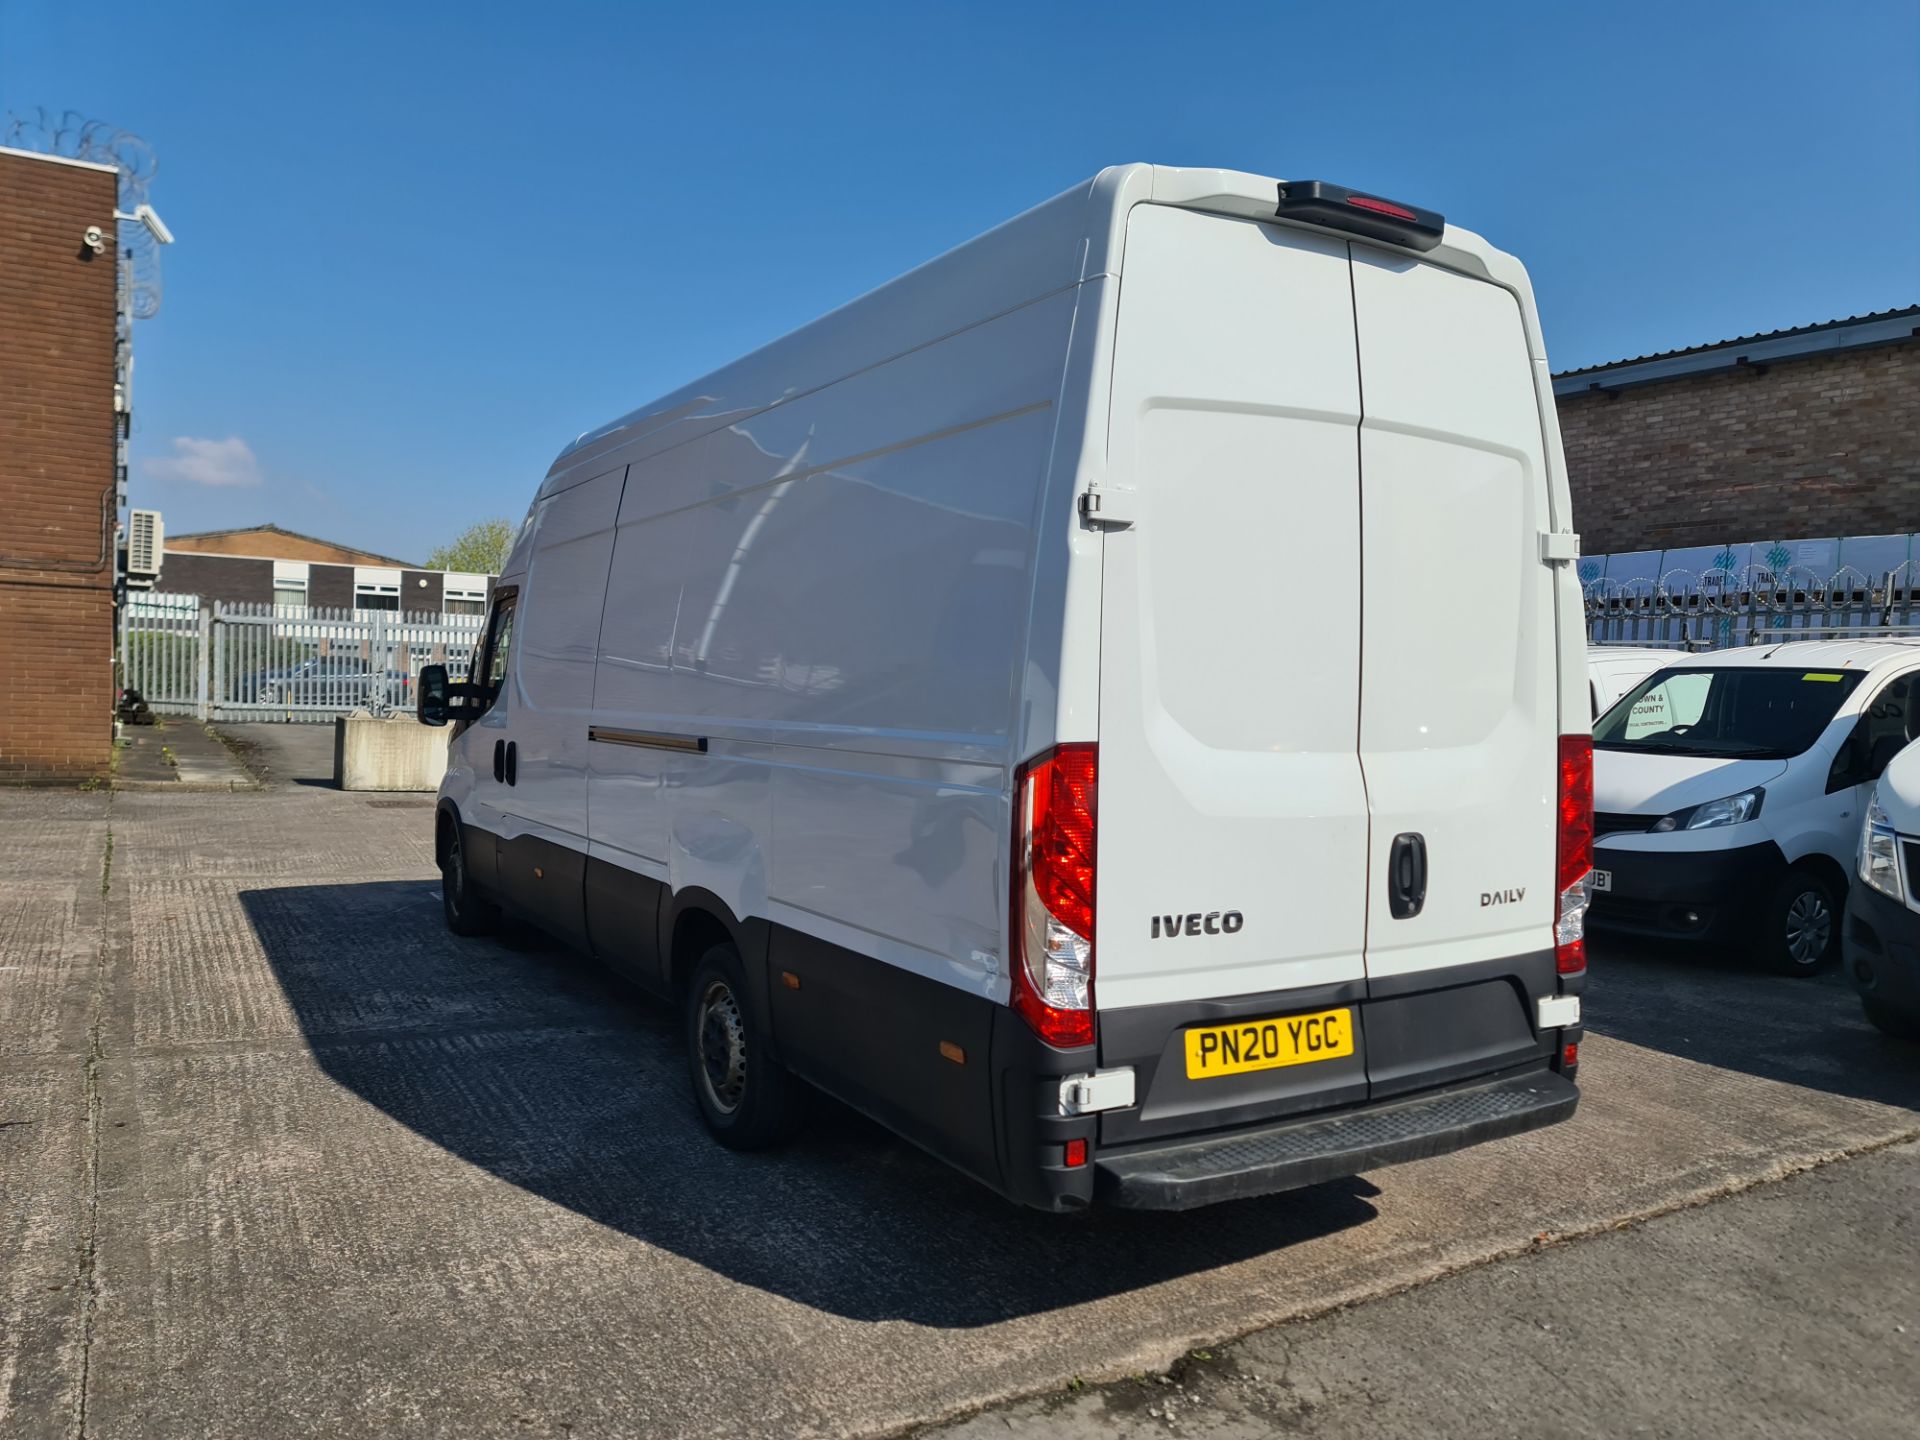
(953, 1052)
(790, 980)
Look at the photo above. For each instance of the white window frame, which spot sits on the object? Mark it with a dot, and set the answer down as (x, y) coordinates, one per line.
(465, 588)
(290, 577)
(375, 581)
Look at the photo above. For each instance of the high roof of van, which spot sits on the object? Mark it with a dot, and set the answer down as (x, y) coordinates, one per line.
(1074, 237)
(1864, 654)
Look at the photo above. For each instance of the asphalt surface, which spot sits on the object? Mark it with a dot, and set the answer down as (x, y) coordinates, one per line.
(1787, 1310)
(280, 1156)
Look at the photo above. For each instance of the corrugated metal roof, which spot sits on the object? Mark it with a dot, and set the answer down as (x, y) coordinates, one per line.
(1786, 334)
(1752, 353)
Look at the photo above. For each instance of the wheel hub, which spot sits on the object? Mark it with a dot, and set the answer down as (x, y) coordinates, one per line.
(456, 877)
(1809, 927)
(722, 1035)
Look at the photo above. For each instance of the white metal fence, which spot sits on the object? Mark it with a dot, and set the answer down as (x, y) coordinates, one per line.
(232, 661)
(1714, 609)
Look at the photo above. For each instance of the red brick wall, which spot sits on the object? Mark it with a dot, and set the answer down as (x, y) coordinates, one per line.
(56, 471)
(1827, 445)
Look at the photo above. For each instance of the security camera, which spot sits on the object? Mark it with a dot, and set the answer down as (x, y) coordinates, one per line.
(94, 238)
(156, 227)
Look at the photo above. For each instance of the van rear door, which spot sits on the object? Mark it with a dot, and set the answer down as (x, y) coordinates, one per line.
(1233, 821)
(1458, 712)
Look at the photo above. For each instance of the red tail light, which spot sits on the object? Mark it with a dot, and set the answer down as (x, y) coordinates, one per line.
(1381, 207)
(1053, 832)
(1575, 847)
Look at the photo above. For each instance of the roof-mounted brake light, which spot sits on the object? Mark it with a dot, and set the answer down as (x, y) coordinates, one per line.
(1320, 203)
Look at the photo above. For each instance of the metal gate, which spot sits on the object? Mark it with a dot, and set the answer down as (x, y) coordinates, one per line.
(236, 661)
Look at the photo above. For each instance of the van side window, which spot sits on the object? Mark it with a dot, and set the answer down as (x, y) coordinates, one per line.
(1891, 722)
(499, 646)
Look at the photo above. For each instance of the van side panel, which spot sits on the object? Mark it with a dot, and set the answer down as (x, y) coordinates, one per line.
(556, 638)
(1459, 711)
(832, 597)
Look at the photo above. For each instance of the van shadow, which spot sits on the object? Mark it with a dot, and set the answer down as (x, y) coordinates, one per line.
(535, 1065)
(1721, 1009)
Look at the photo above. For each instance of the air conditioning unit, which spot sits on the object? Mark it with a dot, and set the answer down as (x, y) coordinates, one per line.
(145, 543)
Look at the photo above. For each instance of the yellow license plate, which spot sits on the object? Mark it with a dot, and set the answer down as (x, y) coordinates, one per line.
(1268, 1044)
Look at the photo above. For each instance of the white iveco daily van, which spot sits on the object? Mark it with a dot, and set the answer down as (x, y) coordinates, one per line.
(1011, 703)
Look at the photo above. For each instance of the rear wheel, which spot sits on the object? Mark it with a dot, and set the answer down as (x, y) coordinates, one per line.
(1799, 929)
(746, 1097)
(1901, 1024)
(466, 907)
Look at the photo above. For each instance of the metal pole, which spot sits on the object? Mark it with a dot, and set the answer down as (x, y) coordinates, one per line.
(205, 637)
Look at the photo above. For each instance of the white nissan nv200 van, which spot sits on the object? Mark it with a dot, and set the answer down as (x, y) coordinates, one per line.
(1729, 790)
(1010, 703)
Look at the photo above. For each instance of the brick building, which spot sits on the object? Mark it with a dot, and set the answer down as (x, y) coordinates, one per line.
(59, 432)
(263, 564)
(1806, 432)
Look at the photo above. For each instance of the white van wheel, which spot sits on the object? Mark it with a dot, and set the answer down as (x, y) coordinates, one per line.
(746, 1097)
(1801, 930)
(467, 911)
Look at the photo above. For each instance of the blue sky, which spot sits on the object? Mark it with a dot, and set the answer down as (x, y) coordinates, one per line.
(420, 246)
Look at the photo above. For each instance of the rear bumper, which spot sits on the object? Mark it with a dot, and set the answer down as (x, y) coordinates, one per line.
(1881, 944)
(1702, 895)
(1304, 1152)
(1441, 1059)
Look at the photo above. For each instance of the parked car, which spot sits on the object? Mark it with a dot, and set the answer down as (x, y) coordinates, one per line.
(340, 681)
(1612, 670)
(917, 703)
(248, 689)
(1728, 791)
(1882, 939)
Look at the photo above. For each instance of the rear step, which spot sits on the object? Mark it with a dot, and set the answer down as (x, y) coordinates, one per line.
(1307, 1152)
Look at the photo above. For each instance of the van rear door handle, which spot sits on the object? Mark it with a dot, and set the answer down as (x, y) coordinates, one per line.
(500, 761)
(1407, 876)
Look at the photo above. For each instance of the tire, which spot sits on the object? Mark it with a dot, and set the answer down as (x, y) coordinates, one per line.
(1901, 1024)
(465, 905)
(1800, 926)
(747, 1099)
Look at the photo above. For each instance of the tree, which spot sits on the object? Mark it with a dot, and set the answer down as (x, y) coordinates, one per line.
(481, 548)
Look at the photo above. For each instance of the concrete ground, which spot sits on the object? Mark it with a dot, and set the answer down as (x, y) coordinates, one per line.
(1786, 1310)
(280, 1156)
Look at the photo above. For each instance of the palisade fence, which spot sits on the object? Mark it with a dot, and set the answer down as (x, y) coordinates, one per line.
(1716, 609)
(229, 661)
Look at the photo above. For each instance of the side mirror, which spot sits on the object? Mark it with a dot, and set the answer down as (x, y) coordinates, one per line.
(433, 697)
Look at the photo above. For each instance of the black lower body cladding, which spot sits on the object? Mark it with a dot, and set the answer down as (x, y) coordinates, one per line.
(1441, 1060)
(1881, 952)
(1711, 896)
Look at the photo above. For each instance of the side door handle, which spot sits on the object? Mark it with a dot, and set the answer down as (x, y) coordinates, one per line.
(1407, 876)
(513, 762)
(500, 761)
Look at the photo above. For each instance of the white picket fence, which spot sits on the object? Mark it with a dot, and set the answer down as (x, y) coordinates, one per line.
(228, 661)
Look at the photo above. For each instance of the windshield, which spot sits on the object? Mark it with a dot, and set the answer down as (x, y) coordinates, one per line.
(1743, 712)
